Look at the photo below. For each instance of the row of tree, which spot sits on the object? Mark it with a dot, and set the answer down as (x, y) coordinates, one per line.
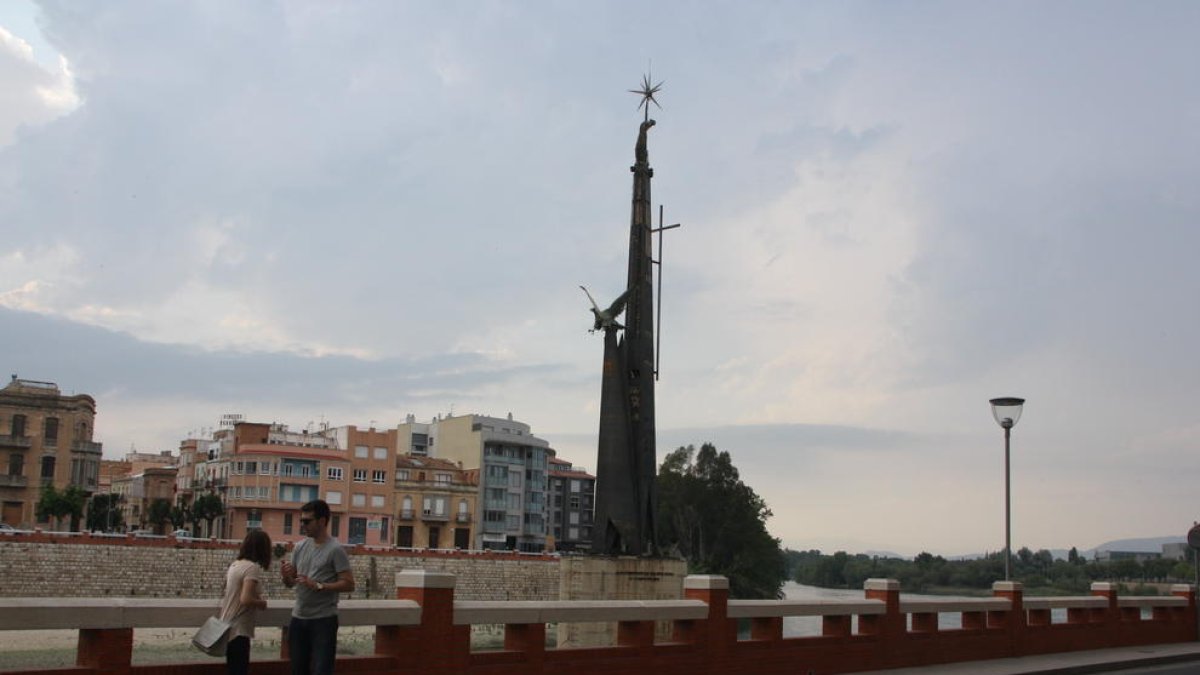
(105, 514)
(926, 571)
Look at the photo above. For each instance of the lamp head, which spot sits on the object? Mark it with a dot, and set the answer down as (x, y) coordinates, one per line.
(1007, 411)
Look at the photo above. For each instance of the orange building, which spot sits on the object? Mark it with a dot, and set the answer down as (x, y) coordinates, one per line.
(266, 473)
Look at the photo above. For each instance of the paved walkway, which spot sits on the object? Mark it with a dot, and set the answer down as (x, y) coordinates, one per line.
(1069, 663)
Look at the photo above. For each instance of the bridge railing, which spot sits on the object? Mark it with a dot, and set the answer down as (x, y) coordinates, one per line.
(425, 630)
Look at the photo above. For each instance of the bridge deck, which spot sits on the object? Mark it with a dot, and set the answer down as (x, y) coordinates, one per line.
(1098, 661)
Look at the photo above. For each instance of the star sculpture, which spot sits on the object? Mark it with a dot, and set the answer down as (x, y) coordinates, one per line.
(647, 92)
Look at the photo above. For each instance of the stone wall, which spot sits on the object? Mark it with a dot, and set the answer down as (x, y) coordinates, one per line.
(39, 565)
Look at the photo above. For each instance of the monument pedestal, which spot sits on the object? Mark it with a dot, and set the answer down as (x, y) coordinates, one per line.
(616, 578)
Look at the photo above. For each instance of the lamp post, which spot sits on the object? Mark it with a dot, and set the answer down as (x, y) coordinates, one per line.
(1007, 411)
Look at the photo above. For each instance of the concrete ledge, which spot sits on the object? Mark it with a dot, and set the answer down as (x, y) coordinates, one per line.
(881, 585)
(1104, 586)
(1067, 602)
(1151, 601)
(420, 578)
(74, 613)
(1008, 586)
(938, 606)
(1182, 588)
(713, 582)
(752, 609)
(577, 611)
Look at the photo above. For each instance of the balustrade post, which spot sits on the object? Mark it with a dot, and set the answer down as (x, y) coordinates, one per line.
(716, 633)
(1189, 614)
(108, 651)
(890, 625)
(1013, 621)
(1110, 615)
(436, 645)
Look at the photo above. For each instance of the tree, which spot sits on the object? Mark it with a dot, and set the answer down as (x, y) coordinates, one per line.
(180, 515)
(61, 504)
(718, 523)
(159, 514)
(208, 507)
(104, 513)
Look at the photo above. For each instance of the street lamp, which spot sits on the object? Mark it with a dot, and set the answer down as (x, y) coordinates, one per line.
(1007, 411)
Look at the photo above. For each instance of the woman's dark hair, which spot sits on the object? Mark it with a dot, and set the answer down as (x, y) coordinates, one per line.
(256, 547)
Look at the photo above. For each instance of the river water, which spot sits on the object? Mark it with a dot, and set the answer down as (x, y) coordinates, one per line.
(806, 626)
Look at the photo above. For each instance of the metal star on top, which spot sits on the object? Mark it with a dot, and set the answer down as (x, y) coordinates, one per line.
(647, 92)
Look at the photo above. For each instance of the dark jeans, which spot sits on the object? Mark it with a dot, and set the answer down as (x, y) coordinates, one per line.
(237, 656)
(312, 645)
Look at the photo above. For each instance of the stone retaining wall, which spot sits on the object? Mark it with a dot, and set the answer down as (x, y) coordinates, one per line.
(40, 565)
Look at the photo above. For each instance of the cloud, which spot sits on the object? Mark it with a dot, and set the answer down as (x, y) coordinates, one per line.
(32, 94)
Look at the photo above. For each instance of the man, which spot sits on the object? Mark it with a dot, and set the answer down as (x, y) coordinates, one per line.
(320, 571)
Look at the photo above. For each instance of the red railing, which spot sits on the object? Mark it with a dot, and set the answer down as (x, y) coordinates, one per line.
(425, 631)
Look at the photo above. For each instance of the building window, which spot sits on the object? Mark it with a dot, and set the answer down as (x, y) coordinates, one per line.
(237, 468)
(18, 425)
(402, 474)
(358, 500)
(383, 530)
(16, 464)
(574, 485)
(336, 526)
(251, 467)
(264, 469)
(573, 533)
(254, 520)
(333, 497)
(441, 478)
(287, 523)
(48, 468)
(264, 492)
(381, 453)
(573, 502)
(334, 473)
(379, 476)
(377, 502)
(50, 431)
(362, 451)
(360, 475)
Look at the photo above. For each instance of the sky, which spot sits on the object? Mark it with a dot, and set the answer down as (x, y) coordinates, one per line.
(891, 212)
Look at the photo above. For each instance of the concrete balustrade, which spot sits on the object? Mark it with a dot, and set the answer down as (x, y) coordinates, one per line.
(426, 631)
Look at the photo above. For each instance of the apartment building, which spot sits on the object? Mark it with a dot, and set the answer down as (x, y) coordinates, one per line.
(435, 501)
(45, 439)
(511, 504)
(266, 472)
(572, 505)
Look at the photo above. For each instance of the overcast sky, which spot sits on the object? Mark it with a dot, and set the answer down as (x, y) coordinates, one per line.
(892, 212)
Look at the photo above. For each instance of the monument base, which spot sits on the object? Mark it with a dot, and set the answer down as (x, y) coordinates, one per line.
(616, 578)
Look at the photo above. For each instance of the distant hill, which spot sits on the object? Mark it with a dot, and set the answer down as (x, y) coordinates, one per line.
(1148, 544)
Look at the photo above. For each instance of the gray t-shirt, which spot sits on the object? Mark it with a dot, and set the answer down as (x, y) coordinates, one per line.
(320, 563)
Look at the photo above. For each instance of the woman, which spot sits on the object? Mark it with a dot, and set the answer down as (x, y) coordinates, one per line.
(244, 586)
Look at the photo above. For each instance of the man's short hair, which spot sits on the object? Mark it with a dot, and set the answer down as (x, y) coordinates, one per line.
(318, 508)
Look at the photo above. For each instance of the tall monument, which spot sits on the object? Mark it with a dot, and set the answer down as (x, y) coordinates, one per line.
(625, 472)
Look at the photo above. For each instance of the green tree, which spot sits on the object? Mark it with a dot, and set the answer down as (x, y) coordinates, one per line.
(180, 516)
(158, 514)
(718, 523)
(104, 513)
(67, 503)
(208, 507)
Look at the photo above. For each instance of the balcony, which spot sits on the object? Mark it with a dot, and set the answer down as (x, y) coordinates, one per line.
(430, 515)
(10, 441)
(406, 514)
(87, 446)
(462, 518)
(8, 480)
